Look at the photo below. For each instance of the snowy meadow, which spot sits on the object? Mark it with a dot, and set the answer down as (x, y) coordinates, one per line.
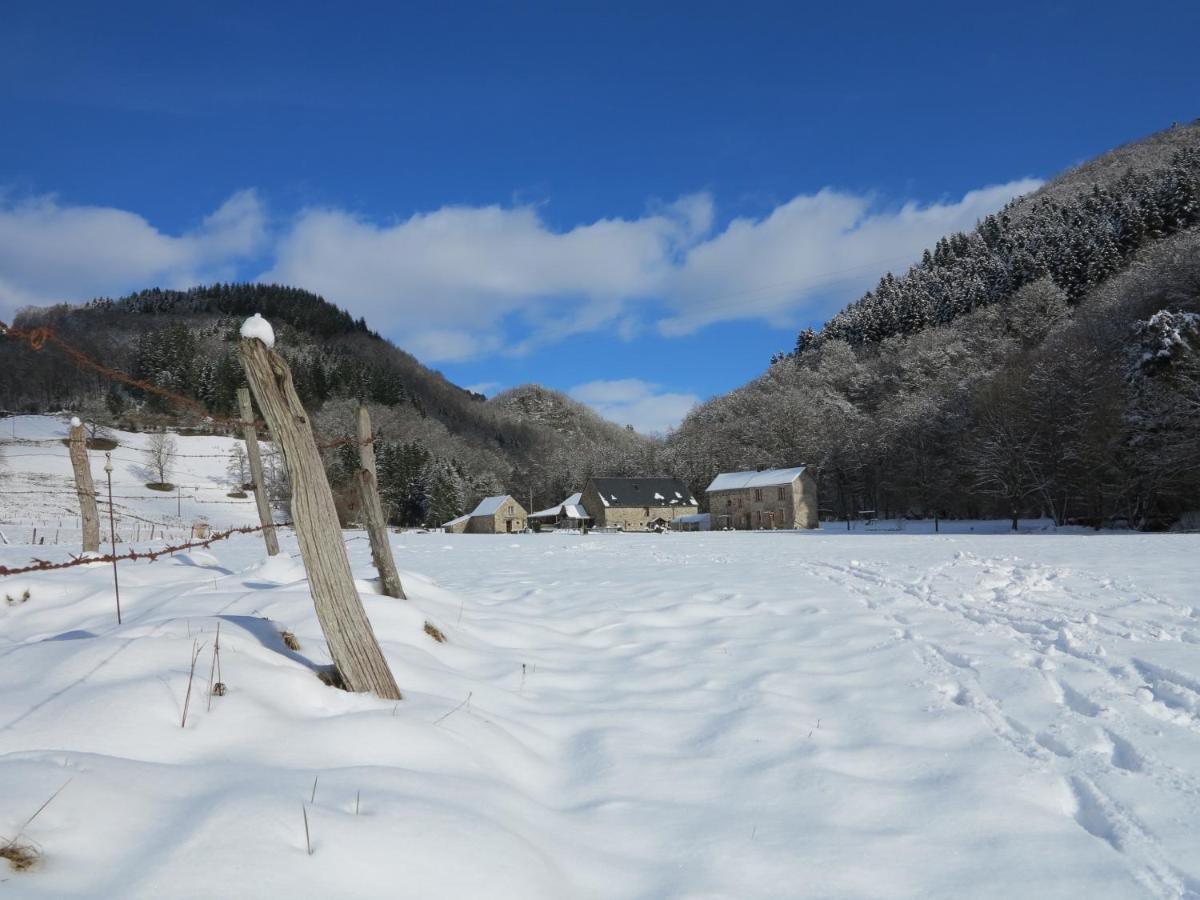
(682, 715)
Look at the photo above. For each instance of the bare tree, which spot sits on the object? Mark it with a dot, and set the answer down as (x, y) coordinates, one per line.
(238, 468)
(275, 478)
(161, 453)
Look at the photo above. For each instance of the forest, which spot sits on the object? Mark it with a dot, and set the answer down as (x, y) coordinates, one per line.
(1046, 363)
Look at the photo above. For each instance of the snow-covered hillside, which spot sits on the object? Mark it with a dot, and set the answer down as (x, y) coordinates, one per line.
(616, 716)
(37, 489)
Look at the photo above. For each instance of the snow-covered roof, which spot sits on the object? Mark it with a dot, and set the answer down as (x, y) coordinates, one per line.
(575, 511)
(553, 511)
(488, 506)
(457, 521)
(732, 481)
(693, 517)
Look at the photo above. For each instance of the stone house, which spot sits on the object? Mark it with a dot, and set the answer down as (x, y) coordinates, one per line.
(493, 515)
(772, 498)
(637, 504)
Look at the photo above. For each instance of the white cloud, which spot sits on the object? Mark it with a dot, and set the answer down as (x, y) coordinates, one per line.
(461, 283)
(51, 252)
(811, 255)
(631, 401)
(466, 282)
(445, 282)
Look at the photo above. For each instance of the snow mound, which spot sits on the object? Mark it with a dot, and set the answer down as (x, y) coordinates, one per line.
(258, 327)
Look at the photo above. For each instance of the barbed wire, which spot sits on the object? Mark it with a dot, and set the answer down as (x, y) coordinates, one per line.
(66, 442)
(41, 565)
(38, 338)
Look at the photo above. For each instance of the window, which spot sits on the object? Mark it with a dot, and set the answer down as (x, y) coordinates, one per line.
(729, 501)
(739, 502)
(783, 493)
(758, 493)
(510, 510)
(646, 511)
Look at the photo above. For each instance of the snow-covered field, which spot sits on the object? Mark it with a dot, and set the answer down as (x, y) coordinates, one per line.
(618, 716)
(37, 489)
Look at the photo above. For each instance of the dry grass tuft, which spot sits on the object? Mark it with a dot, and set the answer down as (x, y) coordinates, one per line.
(434, 632)
(289, 640)
(21, 857)
(23, 597)
(164, 486)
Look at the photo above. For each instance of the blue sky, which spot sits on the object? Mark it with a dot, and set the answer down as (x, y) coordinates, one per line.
(637, 203)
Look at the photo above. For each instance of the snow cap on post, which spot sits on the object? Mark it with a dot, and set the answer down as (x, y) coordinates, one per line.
(75, 423)
(258, 327)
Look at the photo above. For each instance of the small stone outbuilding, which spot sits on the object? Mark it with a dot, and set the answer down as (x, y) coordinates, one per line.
(493, 515)
(637, 504)
(569, 515)
(772, 498)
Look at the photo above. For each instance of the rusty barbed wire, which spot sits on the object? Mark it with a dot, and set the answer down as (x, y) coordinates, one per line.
(38, 338)
(41, 565)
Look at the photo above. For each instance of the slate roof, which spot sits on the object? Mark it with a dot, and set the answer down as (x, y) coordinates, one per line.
(630, 492)
(733, 481)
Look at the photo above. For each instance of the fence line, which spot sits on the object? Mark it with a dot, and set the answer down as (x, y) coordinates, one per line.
(50, 442)
(355, 650)
(41, 565)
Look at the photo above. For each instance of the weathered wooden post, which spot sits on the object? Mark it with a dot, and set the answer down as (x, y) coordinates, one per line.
(352, 643)
(85, 488)
(256, 472)
(366, 479)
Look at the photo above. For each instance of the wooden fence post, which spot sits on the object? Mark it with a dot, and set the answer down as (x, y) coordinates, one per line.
(85, 488)
(366, 479)
(352, 643)
(256, 472)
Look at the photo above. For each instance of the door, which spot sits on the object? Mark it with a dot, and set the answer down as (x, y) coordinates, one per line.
(508, 525)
